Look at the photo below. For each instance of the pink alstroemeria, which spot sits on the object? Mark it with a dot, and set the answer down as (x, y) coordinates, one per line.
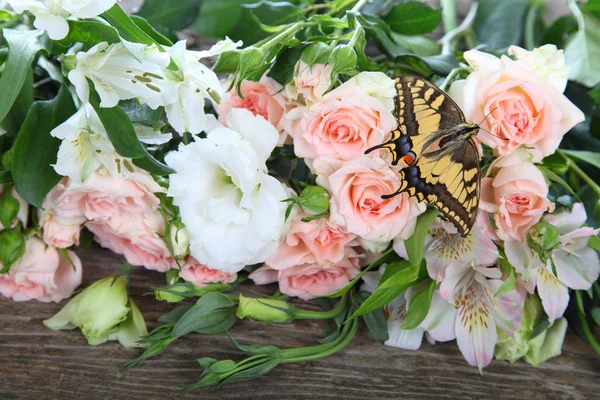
(577, 265)
(437, 326)
(444, 246)
(479, 311)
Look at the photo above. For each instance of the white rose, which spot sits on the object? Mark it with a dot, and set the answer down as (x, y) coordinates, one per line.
(51, 15)
(231, 207)
(547, 61)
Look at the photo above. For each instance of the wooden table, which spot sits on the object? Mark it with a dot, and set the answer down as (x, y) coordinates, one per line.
(36, 363)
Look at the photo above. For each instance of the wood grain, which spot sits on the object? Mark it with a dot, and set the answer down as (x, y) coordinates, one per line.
(36, 363)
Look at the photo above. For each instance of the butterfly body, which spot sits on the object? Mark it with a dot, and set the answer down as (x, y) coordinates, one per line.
(439, 157)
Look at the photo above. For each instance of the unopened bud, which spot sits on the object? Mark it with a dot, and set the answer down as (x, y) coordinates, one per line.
(314, 200)
(266, 310)
(543, 238)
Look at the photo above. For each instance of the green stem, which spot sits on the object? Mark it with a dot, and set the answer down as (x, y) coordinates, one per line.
(323, 350)
(451, 76)
(584, 325)
(450, 39)
(596, 289)
(448, 15)
(338, 31)
(575, 168)
(334, 312)
(282, 35)
(532, 14)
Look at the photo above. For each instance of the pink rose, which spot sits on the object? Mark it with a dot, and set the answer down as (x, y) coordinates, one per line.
(201, 275)
(264, 98)
(523, 108)
(356, 187)
(103, 197)
(312, 81)
(22, 215)
(264, 275)
(308, 281)
(43, 274)
(316, 242)
(346, 122)
(60, 232)
(517, 196)
(138, 238)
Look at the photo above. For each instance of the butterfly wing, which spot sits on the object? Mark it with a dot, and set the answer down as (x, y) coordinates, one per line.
(446, 172)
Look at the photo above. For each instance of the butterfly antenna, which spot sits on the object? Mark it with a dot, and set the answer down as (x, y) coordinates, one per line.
(485, 130)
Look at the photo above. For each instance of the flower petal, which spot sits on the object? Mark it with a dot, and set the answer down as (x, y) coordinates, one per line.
(577, 270)
(554, 295)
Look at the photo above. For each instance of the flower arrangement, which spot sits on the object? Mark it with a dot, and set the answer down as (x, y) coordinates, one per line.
(252, 160)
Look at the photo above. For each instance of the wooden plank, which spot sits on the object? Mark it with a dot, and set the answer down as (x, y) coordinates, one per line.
(36, 363)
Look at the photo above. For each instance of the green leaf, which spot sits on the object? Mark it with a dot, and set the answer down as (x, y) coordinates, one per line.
(283, 69)
(510, 283)
(173, 316)
(127, 29)
(168, 17)
(558, 32)
(376, 321)
(582, 53)
(391, 288)
(381, 260)
(217, 17)
(589, 157)
(150, 31)
(90, 33)
(594, 243)
(23, 47)
(415, 245)
(499, 24)
(5, 176)
(595, 312)
(591, 7)
(378, 30)
(541, 327)
(265, 12)
(418, 307)
(35, 149)
(18, 112)
(12, 247)
(413, 18)
(553, 177)
(211, 309)
(421, 46)
(9, 208)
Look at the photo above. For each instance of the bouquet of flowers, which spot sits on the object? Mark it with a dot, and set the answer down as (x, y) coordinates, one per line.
(330, 147)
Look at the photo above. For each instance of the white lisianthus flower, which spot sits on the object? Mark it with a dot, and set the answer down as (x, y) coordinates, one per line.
(546, 61)
(197, 83)
(118, 75)
(51, 15)
(232, 208)
(85, 146)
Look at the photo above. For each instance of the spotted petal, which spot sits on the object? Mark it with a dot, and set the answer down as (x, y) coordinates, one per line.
(439, 322)
(553, 293)
(475, 327)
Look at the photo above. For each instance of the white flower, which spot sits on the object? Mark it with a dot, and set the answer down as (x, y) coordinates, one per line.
(378, 85)
(197, 83)
(118, 75)
(50, 15)
(231, 207)
(547, 61)
(85, 146)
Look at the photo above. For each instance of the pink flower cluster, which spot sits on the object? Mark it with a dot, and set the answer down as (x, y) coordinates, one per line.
(43, 273)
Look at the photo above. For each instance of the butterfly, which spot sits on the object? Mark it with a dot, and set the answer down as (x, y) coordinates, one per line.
(436, 144)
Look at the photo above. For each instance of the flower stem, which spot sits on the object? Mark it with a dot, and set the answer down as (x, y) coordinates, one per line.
(575, 168)
(449, 39)
(532, 14)
(334, 312)
(448, 15)
(584, 325)
(323, 350)
(451, 77)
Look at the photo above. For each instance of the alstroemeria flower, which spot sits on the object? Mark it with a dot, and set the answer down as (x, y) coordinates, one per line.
(473, 291)
(444, 245)
(196, 83)
(51, 15)
(85, 146)
(118, 75)
(438, 325)
(577, 265)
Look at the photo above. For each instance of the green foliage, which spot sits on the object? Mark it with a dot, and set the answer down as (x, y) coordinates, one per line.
(12, 247)
(249, 27)
(167, 17)
(419, 305)
(582, 52)
(413, 18)
(499, 24)
(23, 48)
(212, 313)
(217, 17)
(415, 245)
(35, 149)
